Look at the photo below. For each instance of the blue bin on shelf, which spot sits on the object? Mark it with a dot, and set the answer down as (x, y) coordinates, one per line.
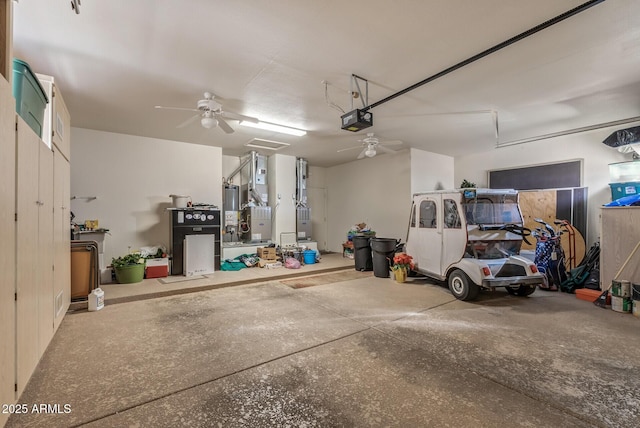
(31, 100)
(620, 190)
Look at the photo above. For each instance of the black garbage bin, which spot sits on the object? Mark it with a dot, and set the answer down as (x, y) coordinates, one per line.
(362, 253)
(383, 250)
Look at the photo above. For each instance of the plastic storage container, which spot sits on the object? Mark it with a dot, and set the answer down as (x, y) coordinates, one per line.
(31, 99)
(96, 300)
(620, 190)
(309, 257)
(622, 172)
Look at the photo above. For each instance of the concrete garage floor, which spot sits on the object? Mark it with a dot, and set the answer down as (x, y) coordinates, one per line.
(363, 352)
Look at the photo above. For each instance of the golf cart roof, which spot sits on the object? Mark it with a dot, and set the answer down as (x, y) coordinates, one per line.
(480, 191)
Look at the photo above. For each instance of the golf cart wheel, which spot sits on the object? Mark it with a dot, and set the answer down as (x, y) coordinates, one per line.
(523, 290)
(462, 287)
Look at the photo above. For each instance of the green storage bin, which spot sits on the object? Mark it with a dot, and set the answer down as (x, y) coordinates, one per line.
(620, 190)
(31, 99)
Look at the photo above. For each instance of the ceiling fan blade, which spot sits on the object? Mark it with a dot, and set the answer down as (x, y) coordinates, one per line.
(224, 125)
(236, 116)
(189, 121)
(177, 108)
(349, 148)
(361, 155)
(390, 143)
(384, 149)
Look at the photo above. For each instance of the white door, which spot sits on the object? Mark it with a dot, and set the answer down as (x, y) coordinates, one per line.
(454, 231)
(424, 242)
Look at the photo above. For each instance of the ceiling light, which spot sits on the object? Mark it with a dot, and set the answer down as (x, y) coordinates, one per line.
(208, 122)
(273, 127)
(371, 152)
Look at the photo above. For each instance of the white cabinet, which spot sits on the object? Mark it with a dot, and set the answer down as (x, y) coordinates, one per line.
(28, 268)
(620, 233)
(57, 122)
(61, 237)
(7, 246)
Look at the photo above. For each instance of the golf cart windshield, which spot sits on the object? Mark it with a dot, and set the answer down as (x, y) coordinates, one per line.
(492, 210)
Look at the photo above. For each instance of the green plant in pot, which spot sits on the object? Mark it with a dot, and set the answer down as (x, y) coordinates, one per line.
(129, 268)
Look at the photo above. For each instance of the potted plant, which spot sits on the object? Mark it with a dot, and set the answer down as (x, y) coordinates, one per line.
(128, 268)
(402, 264)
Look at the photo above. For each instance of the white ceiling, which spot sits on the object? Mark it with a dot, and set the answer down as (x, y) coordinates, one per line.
(117, 59)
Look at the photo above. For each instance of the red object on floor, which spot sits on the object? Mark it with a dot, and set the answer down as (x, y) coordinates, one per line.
(590, 295)
(157, 268)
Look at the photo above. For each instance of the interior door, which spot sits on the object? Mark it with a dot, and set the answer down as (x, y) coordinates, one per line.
(424, 242)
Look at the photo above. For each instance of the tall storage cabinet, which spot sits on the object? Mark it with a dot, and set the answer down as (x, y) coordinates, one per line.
(57, 135)
(7, 246)
(35, 250)
(620, 229)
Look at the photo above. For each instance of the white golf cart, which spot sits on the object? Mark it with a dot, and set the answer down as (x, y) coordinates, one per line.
(472, 239)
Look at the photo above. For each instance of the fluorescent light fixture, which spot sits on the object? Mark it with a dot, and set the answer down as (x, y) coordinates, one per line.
(273, 127)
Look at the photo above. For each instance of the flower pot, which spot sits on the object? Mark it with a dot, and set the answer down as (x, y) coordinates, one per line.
(130, 274)
(401, 275)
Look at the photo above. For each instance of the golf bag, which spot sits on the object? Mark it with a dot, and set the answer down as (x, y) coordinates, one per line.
(549, 260)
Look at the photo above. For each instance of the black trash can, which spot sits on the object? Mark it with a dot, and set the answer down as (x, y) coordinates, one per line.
(362, 253)
(383, 250)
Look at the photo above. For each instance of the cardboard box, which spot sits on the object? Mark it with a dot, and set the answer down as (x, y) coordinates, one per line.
(267, 253)
(157, 268)
(264, 262)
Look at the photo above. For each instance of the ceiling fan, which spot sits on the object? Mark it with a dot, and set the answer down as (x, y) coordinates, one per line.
(211, 114)
(371, 144)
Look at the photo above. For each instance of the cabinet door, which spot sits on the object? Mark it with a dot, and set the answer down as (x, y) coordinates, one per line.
(27, 207)
(61, 124)
(44, 261)
(61, 237)
(7, 246)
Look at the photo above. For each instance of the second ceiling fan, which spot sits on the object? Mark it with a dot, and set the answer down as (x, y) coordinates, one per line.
(370, 146)
(211, 114)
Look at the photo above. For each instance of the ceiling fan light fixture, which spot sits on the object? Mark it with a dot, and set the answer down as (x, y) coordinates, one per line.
(371, 152)
(267, 126)
(208, 122)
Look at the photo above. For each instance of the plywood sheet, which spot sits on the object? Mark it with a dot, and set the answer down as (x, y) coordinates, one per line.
(537, 204)
(542, 204)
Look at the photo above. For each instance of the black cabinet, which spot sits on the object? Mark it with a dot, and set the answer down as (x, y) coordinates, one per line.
(192, 221)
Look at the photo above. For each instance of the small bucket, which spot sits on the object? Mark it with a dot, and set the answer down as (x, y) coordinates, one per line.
(621, 288)
(96, 300)
(621, 304)
(309, 257)
(180, 201)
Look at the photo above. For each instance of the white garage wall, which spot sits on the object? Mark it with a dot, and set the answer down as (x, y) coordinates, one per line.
(282, 182)
(586, 146)
(376, 191)
(132, 178)
(431, 171)
(317, 200)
